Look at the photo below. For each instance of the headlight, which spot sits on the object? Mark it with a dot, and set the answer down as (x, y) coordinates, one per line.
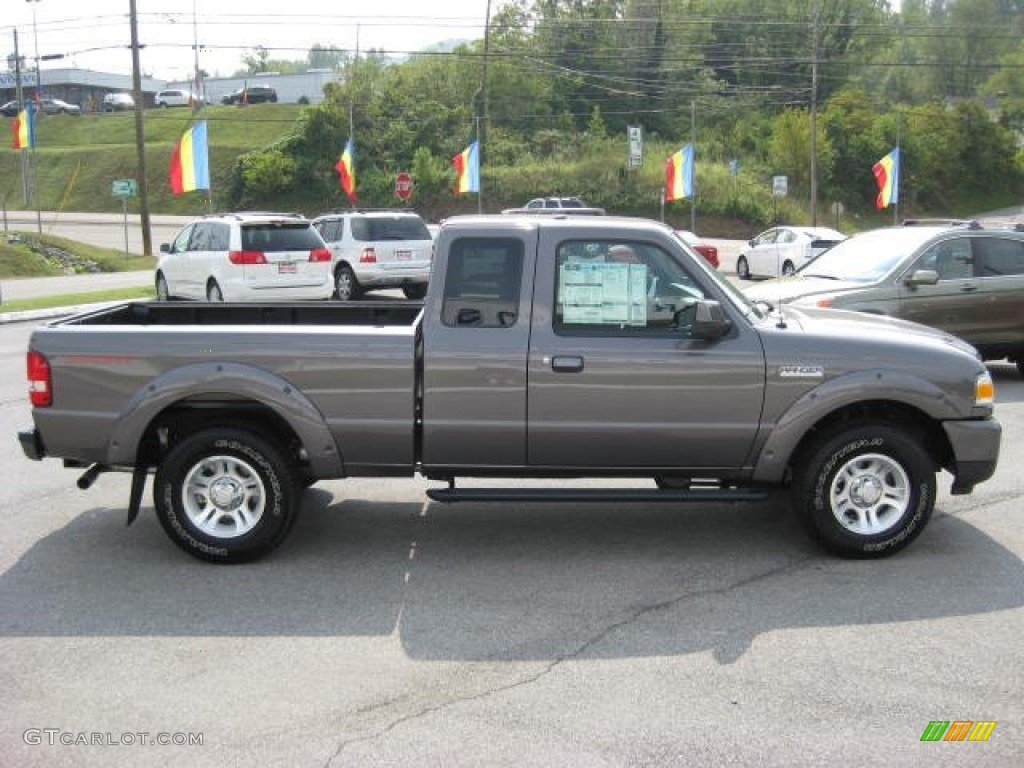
(984, 390)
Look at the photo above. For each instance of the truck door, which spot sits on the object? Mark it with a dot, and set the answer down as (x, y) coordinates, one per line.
(615, 379)
(474, 353)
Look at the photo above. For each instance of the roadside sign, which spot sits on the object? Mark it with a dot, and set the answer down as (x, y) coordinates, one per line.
(779, 184)
(403, 185)
(123, 188)
(635, 133)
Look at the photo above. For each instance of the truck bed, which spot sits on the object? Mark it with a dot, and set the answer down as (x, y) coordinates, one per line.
(284, 313)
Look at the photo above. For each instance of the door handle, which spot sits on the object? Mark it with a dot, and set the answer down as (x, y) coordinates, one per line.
(968, 287)
(567, 364)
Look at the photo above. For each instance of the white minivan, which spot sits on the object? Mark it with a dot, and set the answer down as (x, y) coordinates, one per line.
(245, 257)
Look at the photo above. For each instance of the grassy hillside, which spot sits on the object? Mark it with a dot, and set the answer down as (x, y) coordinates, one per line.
(78, 158)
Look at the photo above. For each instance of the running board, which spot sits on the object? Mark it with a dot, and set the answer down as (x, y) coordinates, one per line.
(619, 495)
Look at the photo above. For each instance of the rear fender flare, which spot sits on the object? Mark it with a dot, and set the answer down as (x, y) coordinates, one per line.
(243, 381)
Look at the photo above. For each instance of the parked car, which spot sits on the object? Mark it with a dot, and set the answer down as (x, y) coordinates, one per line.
(708, 251)
(252, 94)
(377, 249)
(556, 202)
(118, 102)
(10, 108)
(965, 279)
(50, 106)
(783, 250)
(245, 257)
(176, 97)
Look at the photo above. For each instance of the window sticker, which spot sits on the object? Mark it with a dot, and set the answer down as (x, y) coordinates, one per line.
(603, 293)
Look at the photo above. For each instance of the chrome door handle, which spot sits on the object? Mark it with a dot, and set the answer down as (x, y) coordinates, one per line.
(567, 364)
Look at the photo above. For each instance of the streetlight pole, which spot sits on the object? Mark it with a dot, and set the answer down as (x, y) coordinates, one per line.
(140, 134)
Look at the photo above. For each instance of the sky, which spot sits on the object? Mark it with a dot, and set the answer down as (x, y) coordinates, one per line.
(95, 34)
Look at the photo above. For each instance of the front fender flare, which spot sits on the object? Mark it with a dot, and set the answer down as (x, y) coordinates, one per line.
(835, 394)
(244, 381)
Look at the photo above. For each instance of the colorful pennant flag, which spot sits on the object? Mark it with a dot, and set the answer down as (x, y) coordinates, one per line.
(346, 168)
(190, 162)
(24, 126)
(679, 174)
(467, 169)
(887, 174)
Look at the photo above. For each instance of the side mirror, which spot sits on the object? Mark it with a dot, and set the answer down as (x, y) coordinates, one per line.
(922, 277)
(710, 321)
(165, 247)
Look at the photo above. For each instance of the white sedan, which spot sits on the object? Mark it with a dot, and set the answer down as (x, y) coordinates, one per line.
(783, 250)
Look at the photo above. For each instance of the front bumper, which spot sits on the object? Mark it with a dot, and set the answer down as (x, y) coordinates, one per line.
(975, 451)
(32, 443)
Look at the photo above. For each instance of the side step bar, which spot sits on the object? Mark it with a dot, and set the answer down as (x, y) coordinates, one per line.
(617, 495)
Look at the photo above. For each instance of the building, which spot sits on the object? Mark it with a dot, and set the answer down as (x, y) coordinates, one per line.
(87, 88)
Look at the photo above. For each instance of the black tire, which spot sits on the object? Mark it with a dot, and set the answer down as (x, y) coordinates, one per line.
(788, 269)
(213, 292)
(415, 291)
(346, 287)
(864, 491)
(258, 494)
(163, 293)
(1020, 366)
(742, 268)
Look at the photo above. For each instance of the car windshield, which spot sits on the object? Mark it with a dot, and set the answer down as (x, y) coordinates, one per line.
(280, 236)
(379, 228)
(867, 257)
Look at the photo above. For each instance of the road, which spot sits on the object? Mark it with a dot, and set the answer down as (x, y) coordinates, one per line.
(391, 631)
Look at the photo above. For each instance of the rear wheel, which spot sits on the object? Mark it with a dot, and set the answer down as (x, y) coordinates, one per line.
(226, 495)
(415, 291)
(213, 292)
(346, 287)
(864, 491)
(742, 268)
(162, 291)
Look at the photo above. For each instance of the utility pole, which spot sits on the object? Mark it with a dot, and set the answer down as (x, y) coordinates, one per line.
(481, 124)
(814, 113)
(19, 95)
(140, 135)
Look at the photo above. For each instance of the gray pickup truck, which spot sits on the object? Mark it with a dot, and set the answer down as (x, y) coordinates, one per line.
(546, 347)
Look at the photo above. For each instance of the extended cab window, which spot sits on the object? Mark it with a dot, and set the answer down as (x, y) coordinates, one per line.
(622, 288)
(482, 284)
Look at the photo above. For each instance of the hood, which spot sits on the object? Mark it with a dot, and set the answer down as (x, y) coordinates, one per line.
(840, 324)
(788, 288)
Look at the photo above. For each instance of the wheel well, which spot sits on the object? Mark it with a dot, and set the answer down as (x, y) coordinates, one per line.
(928, 431)
(186, 417)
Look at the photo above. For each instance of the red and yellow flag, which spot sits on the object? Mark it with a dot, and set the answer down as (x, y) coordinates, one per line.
(346, 168)
(887, 175)
(24, 129)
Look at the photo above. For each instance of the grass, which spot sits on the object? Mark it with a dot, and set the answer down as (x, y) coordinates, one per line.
(27, 254)
(71, 299)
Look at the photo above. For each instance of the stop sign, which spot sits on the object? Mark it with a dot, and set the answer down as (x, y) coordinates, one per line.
(403, 185)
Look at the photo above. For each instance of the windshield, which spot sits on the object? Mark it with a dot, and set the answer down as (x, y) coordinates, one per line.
(869, 256)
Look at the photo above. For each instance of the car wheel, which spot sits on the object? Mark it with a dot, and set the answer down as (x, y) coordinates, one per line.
(416, 291)
(864, 491)
(226, 495)
(742, 268)
(788, 269)
(213, 292)
(162, 292)
(1020, 366)
(346, 287)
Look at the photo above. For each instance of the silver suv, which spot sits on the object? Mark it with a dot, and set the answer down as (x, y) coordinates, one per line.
(377, 249)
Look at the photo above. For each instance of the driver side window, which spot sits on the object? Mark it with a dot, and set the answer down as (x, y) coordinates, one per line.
(622, 288)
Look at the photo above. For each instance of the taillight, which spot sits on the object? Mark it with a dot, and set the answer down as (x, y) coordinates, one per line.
(368, 256)
(319, 254)
(247, 257)
(40, 391)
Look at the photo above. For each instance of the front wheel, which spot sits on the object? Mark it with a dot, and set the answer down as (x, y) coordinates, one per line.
(864, 491)
(163, 293)
(742, 268)
(213, 292)
(226, 495)
(788, 269)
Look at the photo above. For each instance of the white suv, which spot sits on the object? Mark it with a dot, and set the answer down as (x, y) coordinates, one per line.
(377, 249)
(175, 97)
(245, 257)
